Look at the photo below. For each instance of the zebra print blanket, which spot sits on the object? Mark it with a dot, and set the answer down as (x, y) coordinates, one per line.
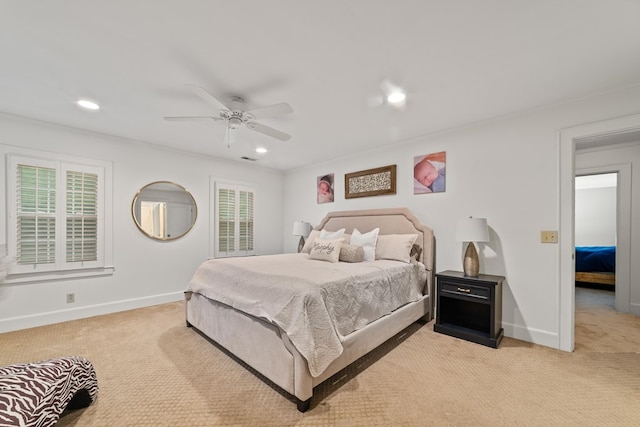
(35, 394)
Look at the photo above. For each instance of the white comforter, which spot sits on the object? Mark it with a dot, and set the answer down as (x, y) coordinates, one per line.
(314, 302)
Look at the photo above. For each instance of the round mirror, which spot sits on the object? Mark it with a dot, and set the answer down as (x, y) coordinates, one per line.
(164, 210)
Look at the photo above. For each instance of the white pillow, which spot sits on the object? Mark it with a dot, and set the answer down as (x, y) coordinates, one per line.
(328, 235)
(326, 250)
(395, 246)
(367, 241)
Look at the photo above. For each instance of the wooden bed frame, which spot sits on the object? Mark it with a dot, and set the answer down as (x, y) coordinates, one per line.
(593, 264)
(596, 278)
(267, 349)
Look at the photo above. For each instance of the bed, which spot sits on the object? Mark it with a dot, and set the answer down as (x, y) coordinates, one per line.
(596, 265)
(278, 347)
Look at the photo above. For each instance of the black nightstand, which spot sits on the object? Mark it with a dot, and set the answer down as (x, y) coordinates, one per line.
(470, 307)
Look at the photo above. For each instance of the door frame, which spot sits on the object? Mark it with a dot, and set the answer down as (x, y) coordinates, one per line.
(566, 144)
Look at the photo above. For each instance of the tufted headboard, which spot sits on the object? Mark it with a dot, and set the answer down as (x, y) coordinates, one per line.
(390, 221)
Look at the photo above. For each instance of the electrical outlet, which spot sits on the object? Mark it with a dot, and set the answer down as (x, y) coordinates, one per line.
(71, 298)
(549, 236)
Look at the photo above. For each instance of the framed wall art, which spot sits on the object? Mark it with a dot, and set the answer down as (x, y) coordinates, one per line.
(324, 188)
(429, 173)
(370, 182)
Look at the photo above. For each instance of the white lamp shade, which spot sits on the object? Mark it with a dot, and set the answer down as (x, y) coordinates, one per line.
(472, 230)
(301, 228)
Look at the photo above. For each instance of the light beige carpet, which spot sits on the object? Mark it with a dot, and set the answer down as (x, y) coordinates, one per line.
(600, 328)
(152, 370)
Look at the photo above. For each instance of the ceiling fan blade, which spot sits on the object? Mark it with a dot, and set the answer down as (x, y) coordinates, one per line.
(268, 131)
(271, 110)
(191, 118)
(207, 97)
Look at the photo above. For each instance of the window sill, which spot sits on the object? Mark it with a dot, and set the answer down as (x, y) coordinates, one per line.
(56, 275)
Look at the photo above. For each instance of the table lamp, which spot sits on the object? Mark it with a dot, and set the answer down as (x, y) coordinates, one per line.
(472, 230)
(302, 229)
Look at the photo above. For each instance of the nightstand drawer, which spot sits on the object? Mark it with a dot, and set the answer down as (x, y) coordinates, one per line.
(465, 290)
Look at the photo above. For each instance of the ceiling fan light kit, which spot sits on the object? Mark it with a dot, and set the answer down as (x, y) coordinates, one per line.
(234, 115)
(234, 122)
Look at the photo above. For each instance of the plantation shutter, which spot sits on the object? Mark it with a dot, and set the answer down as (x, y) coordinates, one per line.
(35, 215)
(234, 233)
(226, 220)
(246, 221)
(82, 216)
(57, 217)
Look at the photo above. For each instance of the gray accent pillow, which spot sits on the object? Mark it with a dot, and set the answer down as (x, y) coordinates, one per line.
(351, 253)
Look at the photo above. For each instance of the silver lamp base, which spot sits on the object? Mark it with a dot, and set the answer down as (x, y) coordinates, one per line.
(300, 244)
(471, 264)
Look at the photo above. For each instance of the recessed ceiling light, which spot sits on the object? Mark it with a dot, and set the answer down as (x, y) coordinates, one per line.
(396, 98)
(261, 150)
(89, 105)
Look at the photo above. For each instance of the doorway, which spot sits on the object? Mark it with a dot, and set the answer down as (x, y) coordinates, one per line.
(607, 133)
(595, 231)
(620, 236)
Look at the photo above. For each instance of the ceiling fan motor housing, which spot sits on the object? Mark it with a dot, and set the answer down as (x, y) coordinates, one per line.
(236, 117)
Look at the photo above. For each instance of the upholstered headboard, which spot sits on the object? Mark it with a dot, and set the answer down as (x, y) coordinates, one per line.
(390, 221)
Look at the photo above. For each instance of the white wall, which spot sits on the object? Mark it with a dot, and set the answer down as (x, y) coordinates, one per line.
(147, 271)
(506, 171)
(595, 221)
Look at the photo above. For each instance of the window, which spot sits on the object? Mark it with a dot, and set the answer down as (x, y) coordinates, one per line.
(234, 224)
(57, 215)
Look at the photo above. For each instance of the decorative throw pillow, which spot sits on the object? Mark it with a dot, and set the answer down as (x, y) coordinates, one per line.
(323, 234)
(395, 246)
(309, 242)
(416, 253)
(326, 250)
(367, 241)
(351, 253)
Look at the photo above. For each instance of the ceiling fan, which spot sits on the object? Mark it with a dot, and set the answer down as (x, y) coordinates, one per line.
(235, 116)
(390, 94)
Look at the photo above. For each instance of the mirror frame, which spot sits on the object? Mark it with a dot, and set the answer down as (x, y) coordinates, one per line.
(139, 226)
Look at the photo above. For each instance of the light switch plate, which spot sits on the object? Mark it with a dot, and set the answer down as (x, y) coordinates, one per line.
(549, 236)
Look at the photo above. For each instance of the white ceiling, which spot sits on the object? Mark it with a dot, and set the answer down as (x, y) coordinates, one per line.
(461, 61)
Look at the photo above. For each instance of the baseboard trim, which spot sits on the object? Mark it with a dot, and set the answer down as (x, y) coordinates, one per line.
(535, 336)
(42, 319)
(634, 309)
